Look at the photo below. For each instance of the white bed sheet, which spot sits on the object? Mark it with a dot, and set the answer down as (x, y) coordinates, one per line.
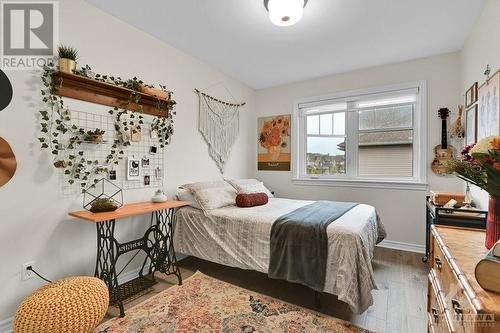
(239, 237)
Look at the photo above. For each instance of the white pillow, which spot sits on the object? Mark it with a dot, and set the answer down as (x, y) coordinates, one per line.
(185, 195)
(212, 195)
(246, 186)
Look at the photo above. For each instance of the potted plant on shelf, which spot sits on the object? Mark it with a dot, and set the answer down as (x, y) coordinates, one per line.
(95, 135)
(480, 165)
(60, 164)
(160, 93)
(67, 58)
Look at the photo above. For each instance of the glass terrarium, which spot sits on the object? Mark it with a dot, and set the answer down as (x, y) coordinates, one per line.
(103, 196)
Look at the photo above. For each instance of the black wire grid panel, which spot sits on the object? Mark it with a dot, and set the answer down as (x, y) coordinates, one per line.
(157, 243)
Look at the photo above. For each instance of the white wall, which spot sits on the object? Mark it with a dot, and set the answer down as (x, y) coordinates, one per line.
(402, 211)
(33, 217)
(481, 48)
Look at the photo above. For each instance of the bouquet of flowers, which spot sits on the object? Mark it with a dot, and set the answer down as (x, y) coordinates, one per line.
(480, 165)
(273, 132)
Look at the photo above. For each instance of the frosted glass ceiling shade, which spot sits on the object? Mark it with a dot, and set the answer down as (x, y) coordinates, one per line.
(285, 13)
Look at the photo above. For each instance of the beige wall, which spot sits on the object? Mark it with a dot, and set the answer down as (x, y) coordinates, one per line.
(402, 211)
(481, 48)
(33, 217)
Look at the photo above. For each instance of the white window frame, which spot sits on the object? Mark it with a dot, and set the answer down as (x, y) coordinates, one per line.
(350, 179)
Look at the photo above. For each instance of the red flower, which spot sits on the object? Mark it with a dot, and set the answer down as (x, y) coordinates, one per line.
(496, 165)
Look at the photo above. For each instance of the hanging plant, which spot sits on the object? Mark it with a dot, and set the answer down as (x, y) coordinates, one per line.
(64, 138)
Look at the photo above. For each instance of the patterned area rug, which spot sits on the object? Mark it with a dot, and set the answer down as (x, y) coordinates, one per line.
(204, 304)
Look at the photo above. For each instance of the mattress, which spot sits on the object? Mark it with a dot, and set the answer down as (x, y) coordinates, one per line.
(239, 237)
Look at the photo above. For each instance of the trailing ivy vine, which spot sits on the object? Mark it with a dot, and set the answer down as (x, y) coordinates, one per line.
(64, 138)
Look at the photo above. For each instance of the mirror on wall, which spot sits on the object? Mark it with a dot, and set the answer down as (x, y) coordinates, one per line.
(6, 89)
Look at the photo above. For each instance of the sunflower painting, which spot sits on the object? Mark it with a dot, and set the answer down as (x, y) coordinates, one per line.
(274, 143)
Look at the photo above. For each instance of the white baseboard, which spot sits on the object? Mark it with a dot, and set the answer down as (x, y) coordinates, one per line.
(6, 324)
(402, 246)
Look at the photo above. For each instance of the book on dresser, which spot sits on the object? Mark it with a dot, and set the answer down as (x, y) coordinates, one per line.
(495, 250)
(488, 273)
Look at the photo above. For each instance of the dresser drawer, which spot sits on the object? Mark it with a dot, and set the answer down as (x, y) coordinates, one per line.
(442, 268)
(461, 312)
(435, 318)
(438, 310)
(463, 315)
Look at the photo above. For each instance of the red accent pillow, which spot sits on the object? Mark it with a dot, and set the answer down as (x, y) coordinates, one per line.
(251, 199)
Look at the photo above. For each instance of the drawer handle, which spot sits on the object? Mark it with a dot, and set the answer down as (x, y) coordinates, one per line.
(439, 263)
(457, 308)
(435, 315)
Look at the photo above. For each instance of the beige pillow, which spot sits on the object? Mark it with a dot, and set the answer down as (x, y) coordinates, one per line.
(185, 195)
(246, 186)
(212, 195)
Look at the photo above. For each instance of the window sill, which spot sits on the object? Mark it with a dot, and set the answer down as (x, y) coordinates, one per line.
(380, 184)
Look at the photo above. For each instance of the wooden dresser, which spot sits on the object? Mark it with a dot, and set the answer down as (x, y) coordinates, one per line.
(456, 302)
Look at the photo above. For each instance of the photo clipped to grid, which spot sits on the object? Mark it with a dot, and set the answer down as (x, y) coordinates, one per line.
(144, 149)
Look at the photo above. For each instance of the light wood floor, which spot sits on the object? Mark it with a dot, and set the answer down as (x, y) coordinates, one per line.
(399, 303)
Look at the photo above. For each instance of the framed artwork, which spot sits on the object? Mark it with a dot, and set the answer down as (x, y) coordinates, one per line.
(133, 169)
(471, 95)
(471, 125)
(488, 114)
(147, 180)
(274, 152)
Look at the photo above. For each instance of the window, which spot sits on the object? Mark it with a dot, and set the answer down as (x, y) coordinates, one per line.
(374, 137)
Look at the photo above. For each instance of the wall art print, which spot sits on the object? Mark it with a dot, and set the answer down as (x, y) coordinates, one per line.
(274, 152)
(488, 115)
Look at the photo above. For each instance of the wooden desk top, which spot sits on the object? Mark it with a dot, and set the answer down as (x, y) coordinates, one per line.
(467, 248)
(128, 210)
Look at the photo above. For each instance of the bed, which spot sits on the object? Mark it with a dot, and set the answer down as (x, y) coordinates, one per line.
(240, 237)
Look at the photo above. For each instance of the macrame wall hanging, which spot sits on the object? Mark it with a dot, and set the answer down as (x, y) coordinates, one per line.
(219, 125)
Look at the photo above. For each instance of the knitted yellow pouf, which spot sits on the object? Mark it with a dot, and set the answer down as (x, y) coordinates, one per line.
(76, 304)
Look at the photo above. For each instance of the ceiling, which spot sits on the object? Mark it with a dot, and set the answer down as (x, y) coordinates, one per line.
(334, 36)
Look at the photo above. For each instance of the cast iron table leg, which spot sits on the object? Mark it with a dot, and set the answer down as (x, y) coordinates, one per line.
(160, 245)
(107, 255)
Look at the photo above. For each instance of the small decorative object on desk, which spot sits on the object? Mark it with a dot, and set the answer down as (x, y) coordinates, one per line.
(480, 165)
(467, 198)
(159, 197)
(440, 198)
(103, 196)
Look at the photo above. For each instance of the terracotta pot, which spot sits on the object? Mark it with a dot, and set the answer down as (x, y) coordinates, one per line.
(273, 153)
(60, 164)
(493, 222)
(67, 65)
(95, 137)
(158, 93)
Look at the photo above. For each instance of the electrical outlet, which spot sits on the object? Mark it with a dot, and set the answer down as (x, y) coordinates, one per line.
(26, 273)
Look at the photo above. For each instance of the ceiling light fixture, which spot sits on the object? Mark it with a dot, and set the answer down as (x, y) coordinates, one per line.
(285, 13)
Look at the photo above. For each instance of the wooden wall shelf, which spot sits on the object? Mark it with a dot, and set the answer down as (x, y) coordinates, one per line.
(90, 90)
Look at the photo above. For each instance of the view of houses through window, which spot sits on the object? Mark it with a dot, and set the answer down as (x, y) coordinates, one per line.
(384, 131)
(326, 143)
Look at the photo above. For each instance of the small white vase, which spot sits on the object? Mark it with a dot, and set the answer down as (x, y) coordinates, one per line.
(159, 197)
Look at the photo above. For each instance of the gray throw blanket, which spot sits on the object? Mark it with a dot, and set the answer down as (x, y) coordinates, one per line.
(299, 243)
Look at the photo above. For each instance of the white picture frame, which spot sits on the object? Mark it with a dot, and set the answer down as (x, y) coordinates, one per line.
(488, 115)
(133, 169)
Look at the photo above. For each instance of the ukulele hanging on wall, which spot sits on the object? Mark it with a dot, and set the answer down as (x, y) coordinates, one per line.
(443, 152)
